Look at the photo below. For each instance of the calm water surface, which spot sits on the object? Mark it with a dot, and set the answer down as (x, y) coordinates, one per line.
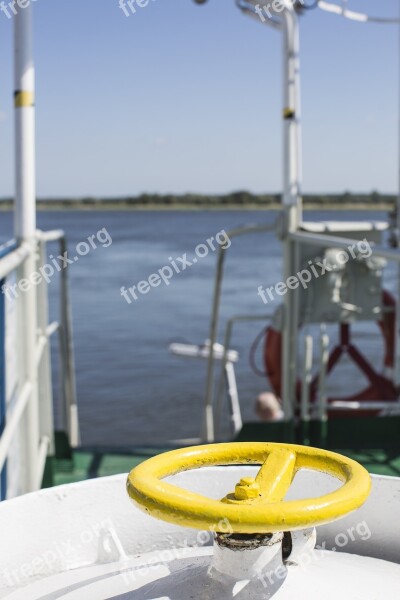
(130, 390)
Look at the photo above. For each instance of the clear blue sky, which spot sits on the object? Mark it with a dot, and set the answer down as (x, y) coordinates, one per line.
(180, 97)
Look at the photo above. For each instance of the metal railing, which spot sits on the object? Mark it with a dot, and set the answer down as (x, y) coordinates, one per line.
(227, 381)
(68, 402)
(208, 426)
(28, 420)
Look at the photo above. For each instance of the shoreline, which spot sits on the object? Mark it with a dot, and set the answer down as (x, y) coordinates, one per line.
(120, 207)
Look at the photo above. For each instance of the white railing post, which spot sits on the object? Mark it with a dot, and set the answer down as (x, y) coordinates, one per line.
(292, 201)
(45, 388)
(25, 228)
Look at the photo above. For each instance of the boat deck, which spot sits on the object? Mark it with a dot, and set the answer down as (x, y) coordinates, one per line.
(70, 466)
(373, 442)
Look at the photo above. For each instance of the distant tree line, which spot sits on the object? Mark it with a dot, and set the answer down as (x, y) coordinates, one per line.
(240, 199)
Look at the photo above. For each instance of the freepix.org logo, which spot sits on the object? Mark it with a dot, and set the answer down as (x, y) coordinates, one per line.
(10, 9)
(317, 269)
(269, 10)
(176, 266)
(129, 7)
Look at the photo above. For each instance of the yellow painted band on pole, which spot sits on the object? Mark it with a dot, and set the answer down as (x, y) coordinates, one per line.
(289, 113)
(263, 509)
(23, 99)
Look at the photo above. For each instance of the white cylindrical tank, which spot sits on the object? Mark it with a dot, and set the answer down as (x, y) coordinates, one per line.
(88, 540)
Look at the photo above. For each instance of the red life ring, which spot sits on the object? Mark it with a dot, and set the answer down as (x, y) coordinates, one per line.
(380, 388)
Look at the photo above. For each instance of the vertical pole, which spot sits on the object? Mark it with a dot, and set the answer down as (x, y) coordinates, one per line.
(208, 425)
(25, 227)
(292, 202)
(67, 357)
(233, 397)
(3, 399)
(305, 391)
(397, 360)
(322, 395)
(24, 98)
(45, 389)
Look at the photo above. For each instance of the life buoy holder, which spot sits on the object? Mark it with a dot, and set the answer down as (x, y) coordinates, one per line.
(380, 387)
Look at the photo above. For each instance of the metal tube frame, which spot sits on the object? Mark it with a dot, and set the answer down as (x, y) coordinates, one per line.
(68, 404)
(44, 433)
(227, 342)
(13, 422)
(208, 425)
(25, 229)
(292, 201)
(292, 207)
(67, 355)
(397, 337)
(327, 241)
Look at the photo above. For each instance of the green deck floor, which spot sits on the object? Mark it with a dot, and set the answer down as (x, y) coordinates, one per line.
(89, 465)
(92, 463)
(378, 462)
(373, 442)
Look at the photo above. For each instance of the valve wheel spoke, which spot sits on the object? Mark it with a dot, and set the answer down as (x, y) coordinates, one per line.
(276, 475)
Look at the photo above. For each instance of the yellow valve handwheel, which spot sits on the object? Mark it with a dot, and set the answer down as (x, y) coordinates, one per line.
(257, 505)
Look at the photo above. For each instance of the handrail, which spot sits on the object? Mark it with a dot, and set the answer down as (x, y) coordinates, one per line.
(14, 259)
(50, 236)
(12, 424)
(67, 355)
(301, 237)
(42, 457)
(68, 383)
(11, 257)
(39, 406)
(43, 339)
(227, 342)
(339, 405)
(324, 241)
(209, 433)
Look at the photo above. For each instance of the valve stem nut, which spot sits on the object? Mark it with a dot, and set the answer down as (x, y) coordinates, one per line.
(247, 489)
